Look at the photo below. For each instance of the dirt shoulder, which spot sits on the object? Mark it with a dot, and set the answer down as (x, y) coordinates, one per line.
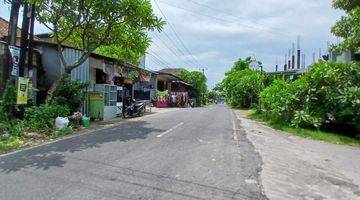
(300, 168)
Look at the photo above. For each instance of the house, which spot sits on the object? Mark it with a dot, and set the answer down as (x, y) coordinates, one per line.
(179, 92)
(346, 56)
(108, 76)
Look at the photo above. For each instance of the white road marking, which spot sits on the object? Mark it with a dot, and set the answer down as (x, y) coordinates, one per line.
(250, 181)
(168, 131)
(234, 125)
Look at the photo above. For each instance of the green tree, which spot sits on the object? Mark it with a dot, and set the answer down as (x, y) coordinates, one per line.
(242, 85)
(242, 64)
(212, 95)
(198, 82)
(242, 88)
(104, 24)
(348, 27)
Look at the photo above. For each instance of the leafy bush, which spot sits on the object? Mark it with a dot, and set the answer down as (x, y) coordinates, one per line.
(133, 74)
(18, 127)
(242, 88)
(162, 96)
(70, 94)
(43, 117)
(329, 94)
(8, 104)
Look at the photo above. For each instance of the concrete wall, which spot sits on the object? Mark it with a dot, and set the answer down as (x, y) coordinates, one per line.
(346, 56)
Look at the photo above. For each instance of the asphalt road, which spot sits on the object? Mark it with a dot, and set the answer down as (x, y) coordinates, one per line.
(198, 153)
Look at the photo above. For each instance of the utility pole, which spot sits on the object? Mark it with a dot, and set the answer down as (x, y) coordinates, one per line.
(31, 38)
(24, 42)
(12, 35)
(203, 70)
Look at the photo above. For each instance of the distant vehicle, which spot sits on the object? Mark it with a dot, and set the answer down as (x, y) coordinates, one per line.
(132, 108)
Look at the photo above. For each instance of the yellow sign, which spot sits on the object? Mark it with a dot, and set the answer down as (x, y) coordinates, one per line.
(23, 90)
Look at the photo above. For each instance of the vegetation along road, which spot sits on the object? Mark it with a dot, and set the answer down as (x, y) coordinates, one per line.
(184, 154)
(200, 153)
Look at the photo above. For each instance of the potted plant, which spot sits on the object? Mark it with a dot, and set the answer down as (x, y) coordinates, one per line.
(162, 99)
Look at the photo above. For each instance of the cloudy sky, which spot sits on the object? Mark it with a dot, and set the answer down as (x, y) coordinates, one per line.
(212, 34)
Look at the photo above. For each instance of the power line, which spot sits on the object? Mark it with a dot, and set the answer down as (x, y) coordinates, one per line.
(159, 47)
(224, 20)
(176, 35)
(235, 16)
(172, 50)
(156, 61)
(159, 57)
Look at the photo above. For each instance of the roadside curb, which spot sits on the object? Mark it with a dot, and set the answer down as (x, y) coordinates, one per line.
(85, 131)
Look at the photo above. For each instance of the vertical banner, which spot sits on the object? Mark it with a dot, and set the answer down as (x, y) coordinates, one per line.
(22, 91)
(15, 57)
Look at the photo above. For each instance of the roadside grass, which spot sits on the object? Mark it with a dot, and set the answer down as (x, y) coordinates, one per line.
(15, 142)
(306, 133)
(10, 143)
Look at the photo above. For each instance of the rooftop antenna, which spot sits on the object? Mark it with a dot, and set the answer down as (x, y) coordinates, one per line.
(293, 56)
(289, 60)
(314, 57)
(298, 52)
(303, 61)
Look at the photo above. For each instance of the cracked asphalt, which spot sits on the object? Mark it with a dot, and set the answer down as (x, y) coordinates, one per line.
(199, 153)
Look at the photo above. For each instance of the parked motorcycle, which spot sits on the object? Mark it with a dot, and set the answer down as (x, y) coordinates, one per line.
(132, 108)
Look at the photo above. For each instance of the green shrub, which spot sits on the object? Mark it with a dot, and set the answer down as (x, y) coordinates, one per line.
(334, 92)
(242, 88)
(329, 94)
(70, 94)
(274, 99)
(43, 117)
(18, 127)
(8, 103)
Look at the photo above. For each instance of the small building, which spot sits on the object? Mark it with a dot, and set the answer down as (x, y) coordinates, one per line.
(346, 56)
(108, 76)
(178, 91)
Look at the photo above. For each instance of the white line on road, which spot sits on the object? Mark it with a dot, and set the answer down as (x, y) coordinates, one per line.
(168, 131)
(234, 125)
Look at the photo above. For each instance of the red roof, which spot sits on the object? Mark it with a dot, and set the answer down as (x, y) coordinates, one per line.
(4, 29)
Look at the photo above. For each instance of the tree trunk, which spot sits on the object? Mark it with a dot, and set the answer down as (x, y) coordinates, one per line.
(55, 85)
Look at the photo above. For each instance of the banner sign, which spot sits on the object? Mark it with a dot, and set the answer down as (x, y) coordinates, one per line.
(15, 57)
(22, 91)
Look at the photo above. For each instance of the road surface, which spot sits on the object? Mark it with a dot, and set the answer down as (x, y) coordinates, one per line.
(198, 153)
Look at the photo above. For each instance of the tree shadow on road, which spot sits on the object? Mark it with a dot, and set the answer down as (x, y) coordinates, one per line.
(52, 155)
